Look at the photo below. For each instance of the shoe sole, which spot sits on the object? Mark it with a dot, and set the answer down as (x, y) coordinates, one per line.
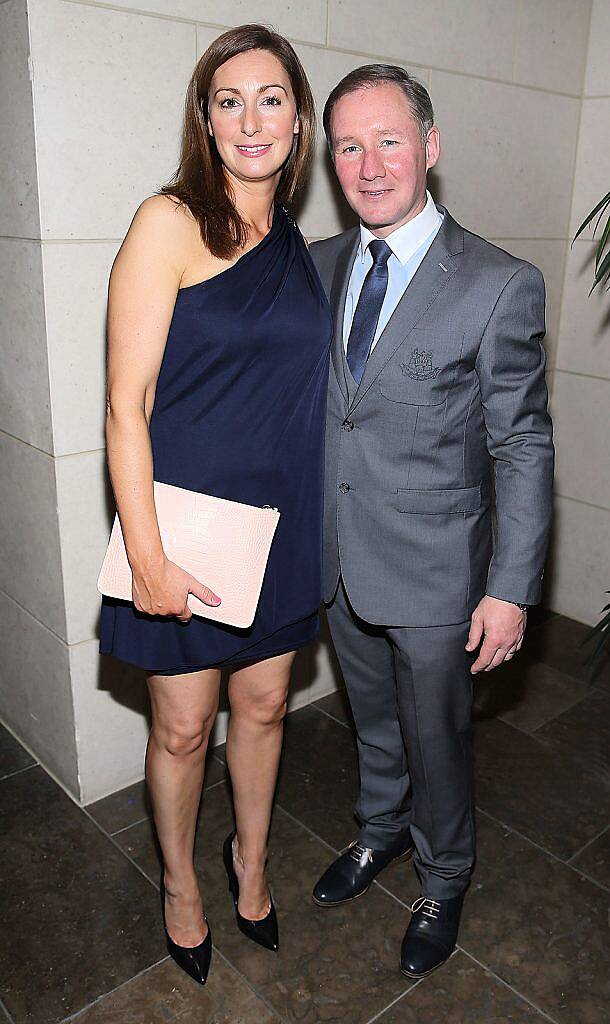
(416, 977)
(349, 899)
(339, 903)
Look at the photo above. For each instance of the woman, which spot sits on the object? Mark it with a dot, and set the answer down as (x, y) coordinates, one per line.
(219, 336)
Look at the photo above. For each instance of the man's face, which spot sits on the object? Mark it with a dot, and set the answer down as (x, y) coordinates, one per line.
(379, 156)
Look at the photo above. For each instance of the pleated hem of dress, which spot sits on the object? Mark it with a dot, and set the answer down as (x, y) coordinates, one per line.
(238, 658)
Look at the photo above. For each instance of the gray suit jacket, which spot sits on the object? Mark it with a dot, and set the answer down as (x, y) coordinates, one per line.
(453, 400)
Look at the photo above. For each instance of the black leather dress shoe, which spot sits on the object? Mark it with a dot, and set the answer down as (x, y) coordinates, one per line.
(431, 936)
(351, 874)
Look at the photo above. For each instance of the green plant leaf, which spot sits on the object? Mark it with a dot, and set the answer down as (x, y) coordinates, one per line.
(603, 203)
(602, 627)
(601, 271)
(597, 653)
(602, 243)
(602, 632)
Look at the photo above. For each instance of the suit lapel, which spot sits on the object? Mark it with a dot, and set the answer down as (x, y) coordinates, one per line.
(429, 281)
(338, 293)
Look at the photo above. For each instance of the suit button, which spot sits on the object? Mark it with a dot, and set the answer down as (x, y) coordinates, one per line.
(348, 425)
(344, 488)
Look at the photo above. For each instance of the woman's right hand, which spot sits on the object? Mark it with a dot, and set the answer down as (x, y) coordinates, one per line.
(164, 591)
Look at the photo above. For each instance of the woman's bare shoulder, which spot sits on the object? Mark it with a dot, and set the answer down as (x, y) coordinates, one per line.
(161, 232)
(164, 214)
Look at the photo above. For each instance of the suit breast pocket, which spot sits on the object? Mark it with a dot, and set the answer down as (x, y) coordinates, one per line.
(423, 370)
(447, 501)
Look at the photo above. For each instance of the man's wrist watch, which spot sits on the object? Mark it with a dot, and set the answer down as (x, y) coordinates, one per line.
(523, 607)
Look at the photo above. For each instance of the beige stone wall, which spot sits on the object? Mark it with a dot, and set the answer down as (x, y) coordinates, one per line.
(35, 685)
(579, 571)
(91, 105)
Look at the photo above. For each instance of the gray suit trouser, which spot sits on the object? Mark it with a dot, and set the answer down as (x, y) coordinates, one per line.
(410, 691)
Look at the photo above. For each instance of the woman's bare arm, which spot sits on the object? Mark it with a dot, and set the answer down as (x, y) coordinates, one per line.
(143, 285)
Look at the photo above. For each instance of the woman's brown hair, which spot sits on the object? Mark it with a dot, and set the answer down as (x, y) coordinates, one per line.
(200, 182)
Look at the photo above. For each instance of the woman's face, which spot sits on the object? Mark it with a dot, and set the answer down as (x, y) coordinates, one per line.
(252, 115)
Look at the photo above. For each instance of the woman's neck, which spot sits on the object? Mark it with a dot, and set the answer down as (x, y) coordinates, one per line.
(254, 201)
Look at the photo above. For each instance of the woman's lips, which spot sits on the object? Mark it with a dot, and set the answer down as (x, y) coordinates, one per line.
(253, 151)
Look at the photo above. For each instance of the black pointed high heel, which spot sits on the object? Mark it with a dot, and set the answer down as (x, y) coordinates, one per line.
(264, 932)
(194, 960)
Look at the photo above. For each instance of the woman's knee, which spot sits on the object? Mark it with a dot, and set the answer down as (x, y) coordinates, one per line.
(184, 737)
(265, 708)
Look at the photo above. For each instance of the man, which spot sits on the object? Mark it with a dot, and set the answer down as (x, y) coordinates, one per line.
(437, 396)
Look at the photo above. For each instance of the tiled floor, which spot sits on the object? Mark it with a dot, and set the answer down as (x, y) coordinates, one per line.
(82, 939)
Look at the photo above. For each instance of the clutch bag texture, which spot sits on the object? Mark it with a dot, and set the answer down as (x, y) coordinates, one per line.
(223, 544)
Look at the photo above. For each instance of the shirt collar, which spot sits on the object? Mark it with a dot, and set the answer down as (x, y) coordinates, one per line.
(407, 239)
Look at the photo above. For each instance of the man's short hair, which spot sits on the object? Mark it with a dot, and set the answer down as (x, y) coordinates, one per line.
(376, 74)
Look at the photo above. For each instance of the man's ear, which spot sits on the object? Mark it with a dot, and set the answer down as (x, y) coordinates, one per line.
(432, 147)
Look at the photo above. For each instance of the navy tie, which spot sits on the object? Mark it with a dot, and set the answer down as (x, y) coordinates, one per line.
(368, 309)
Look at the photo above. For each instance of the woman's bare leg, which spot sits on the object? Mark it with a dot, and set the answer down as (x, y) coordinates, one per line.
(258, 693)
(183, 712)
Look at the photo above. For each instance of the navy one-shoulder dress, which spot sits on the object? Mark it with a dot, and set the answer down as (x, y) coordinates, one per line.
(239, 413)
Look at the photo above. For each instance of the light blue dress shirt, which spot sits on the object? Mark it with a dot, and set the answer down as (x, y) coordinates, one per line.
(409, 245)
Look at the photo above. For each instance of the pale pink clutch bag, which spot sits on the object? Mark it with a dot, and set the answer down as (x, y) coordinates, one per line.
(223, 544)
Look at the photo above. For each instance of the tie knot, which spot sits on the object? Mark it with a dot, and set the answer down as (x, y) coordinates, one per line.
(380, 251)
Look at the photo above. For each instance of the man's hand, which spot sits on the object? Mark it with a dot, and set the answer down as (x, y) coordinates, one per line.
(501, 625)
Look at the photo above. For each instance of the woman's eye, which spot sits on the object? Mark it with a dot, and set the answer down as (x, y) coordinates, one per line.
(228, 102)
(272, 101)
